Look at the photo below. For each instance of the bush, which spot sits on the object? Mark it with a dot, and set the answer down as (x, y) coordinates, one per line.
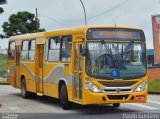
(3, 61)
(154, 86)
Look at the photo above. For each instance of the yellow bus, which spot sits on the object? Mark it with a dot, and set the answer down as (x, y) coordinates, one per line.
(84, 65)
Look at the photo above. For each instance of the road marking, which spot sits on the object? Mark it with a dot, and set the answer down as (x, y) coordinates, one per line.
(153, 102)
(144, 106)
(13, 108)
(2, 94)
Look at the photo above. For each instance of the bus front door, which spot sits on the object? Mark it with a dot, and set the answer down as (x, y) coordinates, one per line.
(39, 69)
(77, 78)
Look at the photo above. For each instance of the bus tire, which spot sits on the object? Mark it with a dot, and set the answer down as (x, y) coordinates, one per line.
(116, 105)
(25, 94)
(64, 98)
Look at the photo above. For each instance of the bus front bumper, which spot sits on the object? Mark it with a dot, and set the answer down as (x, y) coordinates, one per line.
(110, 98)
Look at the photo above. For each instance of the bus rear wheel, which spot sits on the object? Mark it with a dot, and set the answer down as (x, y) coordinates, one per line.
(64, 98)
(116, 105)
(25, 94)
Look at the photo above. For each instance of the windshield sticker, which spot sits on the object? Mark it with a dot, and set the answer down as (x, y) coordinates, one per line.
(115, 73)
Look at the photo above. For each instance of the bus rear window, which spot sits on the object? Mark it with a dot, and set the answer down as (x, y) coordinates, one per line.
(114, 34)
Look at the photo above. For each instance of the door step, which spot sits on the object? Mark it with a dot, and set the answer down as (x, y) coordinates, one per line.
(40, 94)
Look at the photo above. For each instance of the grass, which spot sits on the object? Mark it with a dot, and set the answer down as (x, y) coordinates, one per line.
(3, 62)
(3, 81)
(154, 86)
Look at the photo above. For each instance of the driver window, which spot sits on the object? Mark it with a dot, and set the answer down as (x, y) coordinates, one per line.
(66, 46)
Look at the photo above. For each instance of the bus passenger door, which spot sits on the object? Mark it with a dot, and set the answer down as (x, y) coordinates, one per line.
(77, 78)
(39, 69)
(17, 78)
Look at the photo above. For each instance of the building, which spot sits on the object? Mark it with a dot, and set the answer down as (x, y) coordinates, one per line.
(153, 69)
(150, 57)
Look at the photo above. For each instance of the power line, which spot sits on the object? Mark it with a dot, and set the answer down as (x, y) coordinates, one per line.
(89, 18)
(55, 20)
(109, 10)
(100, 14)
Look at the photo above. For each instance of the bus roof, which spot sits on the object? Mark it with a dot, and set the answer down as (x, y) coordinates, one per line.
(68, 31)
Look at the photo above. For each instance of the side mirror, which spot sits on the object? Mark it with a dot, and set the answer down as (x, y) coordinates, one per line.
(83, 50)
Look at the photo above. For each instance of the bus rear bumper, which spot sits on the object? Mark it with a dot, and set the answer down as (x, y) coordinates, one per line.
(110, 98)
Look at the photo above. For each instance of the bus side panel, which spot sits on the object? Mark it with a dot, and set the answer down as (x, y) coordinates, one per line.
(50, 86)
(11, 66)
(17, 78)
(27, 70)
(53, 73)
(51, 89)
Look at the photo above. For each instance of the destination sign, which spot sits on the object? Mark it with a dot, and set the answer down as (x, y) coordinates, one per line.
(115, 34)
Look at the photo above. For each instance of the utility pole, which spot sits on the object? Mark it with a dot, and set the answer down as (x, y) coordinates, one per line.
(84, 12)
(36, 19)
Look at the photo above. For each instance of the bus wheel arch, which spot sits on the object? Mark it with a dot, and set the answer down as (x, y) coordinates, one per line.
(60, 83)
(22, 78)
(24, 93)
(63, 95)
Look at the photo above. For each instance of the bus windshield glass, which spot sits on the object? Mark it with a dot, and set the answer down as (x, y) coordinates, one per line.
(115, 34)
(115, 60)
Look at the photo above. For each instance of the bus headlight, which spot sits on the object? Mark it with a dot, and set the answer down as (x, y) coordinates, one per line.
(141, 87)
(93, 87)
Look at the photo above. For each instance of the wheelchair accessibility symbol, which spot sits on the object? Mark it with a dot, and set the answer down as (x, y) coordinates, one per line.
(115, 73)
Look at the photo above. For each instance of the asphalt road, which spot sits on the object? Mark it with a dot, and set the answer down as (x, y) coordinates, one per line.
(49, 108)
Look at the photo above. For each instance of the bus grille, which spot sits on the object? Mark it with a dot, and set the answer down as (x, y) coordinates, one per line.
(118, 84)
(120, 90)
(117, 97)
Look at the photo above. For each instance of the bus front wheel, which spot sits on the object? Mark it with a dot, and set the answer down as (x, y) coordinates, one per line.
(25, 94)
(116, 105)
(64, 98)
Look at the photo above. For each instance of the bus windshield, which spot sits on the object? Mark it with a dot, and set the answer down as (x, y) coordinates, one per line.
(115, 60)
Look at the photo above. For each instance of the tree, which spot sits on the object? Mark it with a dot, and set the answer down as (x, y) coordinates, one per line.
(21, 23)
(1, 10)
(3, 2)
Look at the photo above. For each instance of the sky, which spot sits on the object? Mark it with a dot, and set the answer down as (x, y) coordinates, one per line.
(59, 14)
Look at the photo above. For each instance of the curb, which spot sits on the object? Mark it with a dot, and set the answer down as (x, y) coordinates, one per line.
(4, 83)
(158, 93)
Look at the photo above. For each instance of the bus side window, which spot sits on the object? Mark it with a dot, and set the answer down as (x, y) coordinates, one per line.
(32, 47)
(66, 47)
(24, 54)
(54, 49)
(11, 50)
